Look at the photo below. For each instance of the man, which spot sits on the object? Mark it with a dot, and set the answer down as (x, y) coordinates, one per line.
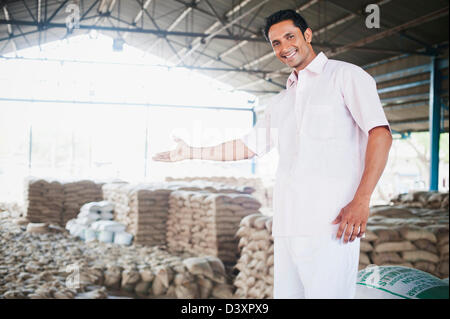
(333, 140)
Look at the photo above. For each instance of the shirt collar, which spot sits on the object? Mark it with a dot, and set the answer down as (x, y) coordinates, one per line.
(315, 66)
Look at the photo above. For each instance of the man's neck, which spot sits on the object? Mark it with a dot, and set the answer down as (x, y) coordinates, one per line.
(305, 64)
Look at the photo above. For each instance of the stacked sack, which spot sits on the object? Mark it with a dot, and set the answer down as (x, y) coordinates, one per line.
(149, 205)
(206, 223)
(44, 200)
(252, 186)
(94, 222)
(416, 238)
(117, 193)
(76, 194)
(422, 199)
(56, 202)
(143, 208)
(255, 265)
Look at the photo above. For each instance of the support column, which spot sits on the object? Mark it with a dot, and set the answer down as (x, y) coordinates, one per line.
(435, 121)
(253, 159)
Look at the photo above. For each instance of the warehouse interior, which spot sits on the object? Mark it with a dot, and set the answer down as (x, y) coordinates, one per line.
(92, 89)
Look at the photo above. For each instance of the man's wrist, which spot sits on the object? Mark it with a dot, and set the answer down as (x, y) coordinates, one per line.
(364, 198)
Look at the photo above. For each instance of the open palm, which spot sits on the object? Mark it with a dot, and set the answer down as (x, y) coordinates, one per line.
(181, 152)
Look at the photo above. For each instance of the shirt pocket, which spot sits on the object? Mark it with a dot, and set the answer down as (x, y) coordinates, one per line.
(318, 122)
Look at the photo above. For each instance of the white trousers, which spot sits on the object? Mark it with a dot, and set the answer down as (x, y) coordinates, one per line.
(319, 267)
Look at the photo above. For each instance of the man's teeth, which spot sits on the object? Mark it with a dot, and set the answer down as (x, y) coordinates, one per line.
(290, 55)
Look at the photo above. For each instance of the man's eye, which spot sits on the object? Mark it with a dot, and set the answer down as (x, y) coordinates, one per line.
(274, 44)
(291, 36)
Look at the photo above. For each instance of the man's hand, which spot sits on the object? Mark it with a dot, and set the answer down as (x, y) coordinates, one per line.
(181, 152)
(353, 218)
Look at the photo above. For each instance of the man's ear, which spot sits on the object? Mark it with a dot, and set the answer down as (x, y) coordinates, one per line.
(308, 35)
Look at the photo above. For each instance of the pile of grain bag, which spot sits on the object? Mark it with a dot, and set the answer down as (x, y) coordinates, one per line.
(44, 200)
(143, 208)
(94, 222)
(422, 199)
(56, 202)
(54, 265)
(251, 185)
(416, 238)
(76, 194)
(206, 223)
(255, 265)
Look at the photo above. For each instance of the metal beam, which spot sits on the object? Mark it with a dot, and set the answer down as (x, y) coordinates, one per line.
(206, 107)
(403, 86)
(163, 33)
(29, 11)
(415, 70)
(434, 126)
(136, 64)
(230, 23)
(396, 107)
(56, 11)
(174, 24)
(421, 120)
(215, 24)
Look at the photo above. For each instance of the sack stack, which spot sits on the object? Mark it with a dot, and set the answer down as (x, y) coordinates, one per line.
(57, 202)
(144, 207)
(416, 238)
(422, 199)
(43, 201)
(202, 223)
(76, 194)
(253, 186)
(255, 265)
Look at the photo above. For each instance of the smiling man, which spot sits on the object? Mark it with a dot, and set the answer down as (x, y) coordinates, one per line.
(333, 141)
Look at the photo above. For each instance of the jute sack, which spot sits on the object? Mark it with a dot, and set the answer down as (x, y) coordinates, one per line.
(386, 258)
(394, 246)
(420, 255)
(417, 233)
(365, 246)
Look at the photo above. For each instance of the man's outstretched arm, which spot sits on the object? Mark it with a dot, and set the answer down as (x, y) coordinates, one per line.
(234, 150)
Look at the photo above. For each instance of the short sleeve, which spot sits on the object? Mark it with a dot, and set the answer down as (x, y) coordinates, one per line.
(262, 138)
(362, 99)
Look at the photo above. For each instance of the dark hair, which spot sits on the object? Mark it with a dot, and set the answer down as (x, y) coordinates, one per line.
(284, 15)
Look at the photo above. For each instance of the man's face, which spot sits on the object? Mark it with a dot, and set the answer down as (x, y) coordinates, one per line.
(289, 45)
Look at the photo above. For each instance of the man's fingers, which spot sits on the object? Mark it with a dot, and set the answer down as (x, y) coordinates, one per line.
(362, 230)
(348, 232)
(338, 218)
(341, 229)
(355, 232)
(163, 157)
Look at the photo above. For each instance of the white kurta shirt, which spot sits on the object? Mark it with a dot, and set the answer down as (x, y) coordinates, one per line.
(320, 126)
